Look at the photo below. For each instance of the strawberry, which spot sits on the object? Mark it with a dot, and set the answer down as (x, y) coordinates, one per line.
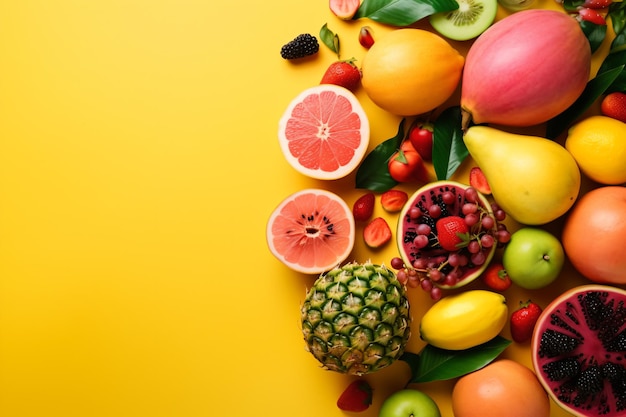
(590, 15)
(597, 4)
(393, 200)
(614, 105)
(356, 397)
(496, 278)
(363, 207)
(478, 180)
(523, 321)
(343, 73)
(452, 232)
(421, 137)
(377, 233)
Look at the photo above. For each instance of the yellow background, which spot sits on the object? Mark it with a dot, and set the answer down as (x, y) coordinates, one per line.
(138, 166)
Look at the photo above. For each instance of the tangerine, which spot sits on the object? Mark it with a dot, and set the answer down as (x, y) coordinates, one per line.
(502, 388)
(411, 71)
(593, 235)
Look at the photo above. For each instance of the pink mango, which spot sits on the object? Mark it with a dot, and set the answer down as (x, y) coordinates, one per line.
(525, 69)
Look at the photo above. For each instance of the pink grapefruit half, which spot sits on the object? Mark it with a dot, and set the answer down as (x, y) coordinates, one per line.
(311, 231)
(324, 132)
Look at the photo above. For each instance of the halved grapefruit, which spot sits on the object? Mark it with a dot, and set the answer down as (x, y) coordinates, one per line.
(324, 132)
(311, 231)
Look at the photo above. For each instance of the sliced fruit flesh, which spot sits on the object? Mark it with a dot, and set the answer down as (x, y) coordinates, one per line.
(579, 352)
(312, 232)
(433, 253)
(324, 132)
(471, 19)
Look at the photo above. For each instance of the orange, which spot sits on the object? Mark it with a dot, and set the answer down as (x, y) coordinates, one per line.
(502, 388)
(311, 231)
(324, 132)
(593, 235)
(411, 71)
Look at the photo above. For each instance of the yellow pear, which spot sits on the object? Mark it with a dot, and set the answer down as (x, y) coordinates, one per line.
(535, 180)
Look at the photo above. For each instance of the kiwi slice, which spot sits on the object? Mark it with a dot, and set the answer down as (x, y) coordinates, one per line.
(471, 19)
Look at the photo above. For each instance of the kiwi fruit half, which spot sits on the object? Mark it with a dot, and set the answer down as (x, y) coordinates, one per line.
(471, 19)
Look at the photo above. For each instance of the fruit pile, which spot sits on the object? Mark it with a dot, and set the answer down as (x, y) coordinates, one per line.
(480, 203)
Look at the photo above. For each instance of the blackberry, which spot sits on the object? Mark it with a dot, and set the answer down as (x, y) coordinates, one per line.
(303, 45)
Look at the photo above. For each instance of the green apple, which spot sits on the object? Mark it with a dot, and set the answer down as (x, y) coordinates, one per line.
(533, 258)
(409, 403)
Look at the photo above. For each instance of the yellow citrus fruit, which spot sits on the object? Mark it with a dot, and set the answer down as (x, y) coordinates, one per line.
(464, 320)
(502, 388)
(598, 144)
(411, 71)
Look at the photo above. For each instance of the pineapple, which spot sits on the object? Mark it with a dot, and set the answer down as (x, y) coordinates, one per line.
(355, 318)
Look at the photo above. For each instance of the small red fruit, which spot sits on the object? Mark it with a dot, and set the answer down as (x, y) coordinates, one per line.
(478, 180)
(407, 165)
(393, 200)
(363, 207)
(356, 397)
(377, 233)
(421, 137)
(366, 37)
(590, 15)
(597, 4)
(452, 232)
(523, 321)
(614, 105)
(343, 73)
(496, 278)
(344, 9)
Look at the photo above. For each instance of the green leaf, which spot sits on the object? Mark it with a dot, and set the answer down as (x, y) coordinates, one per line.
(402, 12)
(594, 89)
(449, 150)
(617, 16)
(572, 5)
(616, 58)
(595, 34)
(373, 173)
(329, 38)
(413, 360)
(435, 364)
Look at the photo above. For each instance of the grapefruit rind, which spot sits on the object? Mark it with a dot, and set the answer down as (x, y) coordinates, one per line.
(322, 145)
(311, 231)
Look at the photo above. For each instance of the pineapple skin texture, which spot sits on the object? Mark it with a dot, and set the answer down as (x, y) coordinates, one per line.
(356, 318)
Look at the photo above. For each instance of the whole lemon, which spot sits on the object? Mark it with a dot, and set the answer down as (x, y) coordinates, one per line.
(598, 144)
(502, 388)
(464, 320)
(411, 71)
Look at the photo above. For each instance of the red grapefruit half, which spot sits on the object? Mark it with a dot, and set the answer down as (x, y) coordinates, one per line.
(324, 132)
(311, 231)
